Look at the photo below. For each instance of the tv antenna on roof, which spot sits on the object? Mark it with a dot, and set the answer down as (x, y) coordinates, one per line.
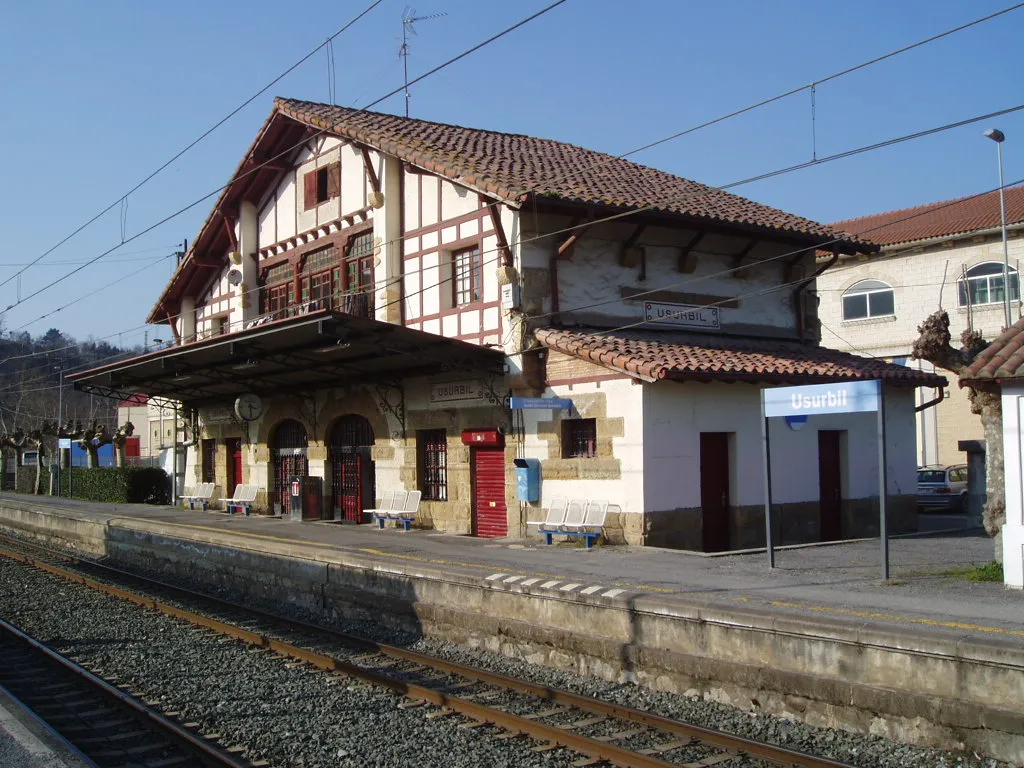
(408, 20)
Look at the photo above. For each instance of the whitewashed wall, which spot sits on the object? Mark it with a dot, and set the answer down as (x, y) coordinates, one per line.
(441, 217)
(622, 399)
(1013, 447)
(676, 414)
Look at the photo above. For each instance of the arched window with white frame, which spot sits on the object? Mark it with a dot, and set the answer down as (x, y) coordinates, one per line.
(868, 298)
(983, 284)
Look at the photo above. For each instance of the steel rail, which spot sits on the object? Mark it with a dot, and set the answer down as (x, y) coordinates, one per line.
(206, 752)
(584, 745)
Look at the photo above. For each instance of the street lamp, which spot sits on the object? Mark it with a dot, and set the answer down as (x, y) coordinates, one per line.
(998, 137)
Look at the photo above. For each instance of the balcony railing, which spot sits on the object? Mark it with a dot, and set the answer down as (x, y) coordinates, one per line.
(357, 303)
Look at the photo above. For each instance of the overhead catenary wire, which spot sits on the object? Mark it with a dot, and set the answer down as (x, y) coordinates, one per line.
(812, 86)
(328, 43)
(259, 166)
(123, 199)
(889, 142)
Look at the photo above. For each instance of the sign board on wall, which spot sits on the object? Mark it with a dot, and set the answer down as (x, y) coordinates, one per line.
(540, 403)
(681, 315)
(847, 397)
(465, 390)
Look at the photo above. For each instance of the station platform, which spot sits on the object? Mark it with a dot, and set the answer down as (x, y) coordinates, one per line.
(926, 656)
(25, 743)
(926, 589)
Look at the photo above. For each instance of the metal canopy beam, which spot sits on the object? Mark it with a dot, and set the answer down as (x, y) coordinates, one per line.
(304, 353)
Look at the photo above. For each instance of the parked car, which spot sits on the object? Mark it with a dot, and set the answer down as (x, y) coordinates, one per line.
(942, 489)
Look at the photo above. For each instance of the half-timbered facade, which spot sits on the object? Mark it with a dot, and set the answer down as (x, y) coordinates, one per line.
(384, 285)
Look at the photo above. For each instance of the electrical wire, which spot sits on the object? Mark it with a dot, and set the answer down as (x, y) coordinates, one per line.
(786, 94)
(931, 209)
(123, 199)
(258, 167)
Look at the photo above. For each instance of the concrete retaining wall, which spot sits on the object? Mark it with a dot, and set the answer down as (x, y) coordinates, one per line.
(931, 686)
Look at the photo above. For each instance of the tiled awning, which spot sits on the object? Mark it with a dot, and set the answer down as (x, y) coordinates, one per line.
(300, 354)
(651, 355)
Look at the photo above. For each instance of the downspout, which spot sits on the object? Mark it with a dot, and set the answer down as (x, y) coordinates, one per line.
(931, 403)
(553, 274)
(798, 308)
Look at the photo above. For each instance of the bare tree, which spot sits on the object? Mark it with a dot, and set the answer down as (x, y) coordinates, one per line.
(933, 345)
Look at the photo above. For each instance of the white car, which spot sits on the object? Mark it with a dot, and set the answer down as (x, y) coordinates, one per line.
(942, 488)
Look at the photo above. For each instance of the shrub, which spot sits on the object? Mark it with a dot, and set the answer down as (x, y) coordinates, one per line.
(112, 485)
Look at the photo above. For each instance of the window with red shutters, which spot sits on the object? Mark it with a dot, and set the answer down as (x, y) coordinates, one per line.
(321, 185)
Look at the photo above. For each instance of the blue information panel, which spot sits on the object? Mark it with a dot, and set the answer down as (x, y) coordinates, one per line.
(848, 397)
(549, 403)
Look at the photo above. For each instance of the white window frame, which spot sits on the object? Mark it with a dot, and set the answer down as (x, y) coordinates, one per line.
(993, 273)
(868, 288)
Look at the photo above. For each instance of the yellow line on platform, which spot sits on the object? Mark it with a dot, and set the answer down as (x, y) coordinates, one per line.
(896, 617)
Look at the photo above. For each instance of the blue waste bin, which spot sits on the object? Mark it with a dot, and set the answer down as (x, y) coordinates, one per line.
(528, 479)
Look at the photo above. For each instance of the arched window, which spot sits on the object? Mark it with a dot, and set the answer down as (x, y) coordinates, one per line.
(868, 298)
(984, 285)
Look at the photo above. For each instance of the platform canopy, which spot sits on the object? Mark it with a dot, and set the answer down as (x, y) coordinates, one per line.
(295, 355)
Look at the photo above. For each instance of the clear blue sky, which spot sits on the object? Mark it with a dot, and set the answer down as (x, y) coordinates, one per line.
(97, 95)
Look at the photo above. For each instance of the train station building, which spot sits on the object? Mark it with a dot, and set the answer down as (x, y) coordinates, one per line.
(379, 303)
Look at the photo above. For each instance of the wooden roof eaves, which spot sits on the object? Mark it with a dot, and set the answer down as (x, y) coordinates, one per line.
(211, 231)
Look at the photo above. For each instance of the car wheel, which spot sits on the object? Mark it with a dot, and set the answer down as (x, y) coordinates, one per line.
(961, 504)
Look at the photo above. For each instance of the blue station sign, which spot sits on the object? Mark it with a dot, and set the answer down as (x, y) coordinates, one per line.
(848, 397)
(540, 403)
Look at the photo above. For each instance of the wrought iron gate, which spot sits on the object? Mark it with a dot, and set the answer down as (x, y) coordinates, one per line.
(290, 458)
(352, 475)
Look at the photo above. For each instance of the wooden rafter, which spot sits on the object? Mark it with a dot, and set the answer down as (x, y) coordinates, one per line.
(229, 227)
(499, 231)
(578, 225)
(371, 172)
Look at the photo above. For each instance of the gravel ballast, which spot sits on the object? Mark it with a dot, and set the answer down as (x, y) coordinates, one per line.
(292, 716)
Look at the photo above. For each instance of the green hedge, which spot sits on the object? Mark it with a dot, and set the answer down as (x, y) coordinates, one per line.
(111, 485)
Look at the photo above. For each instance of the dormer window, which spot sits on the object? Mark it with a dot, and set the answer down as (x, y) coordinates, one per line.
(322, 185)
(868, 298)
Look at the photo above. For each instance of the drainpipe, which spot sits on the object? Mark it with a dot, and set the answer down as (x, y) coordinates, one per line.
(800, 320)
(931, 403)
(553, 274)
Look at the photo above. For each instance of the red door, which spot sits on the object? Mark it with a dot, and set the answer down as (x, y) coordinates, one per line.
(830, 485)
(714, 490)
(490, 515)
(234, 446)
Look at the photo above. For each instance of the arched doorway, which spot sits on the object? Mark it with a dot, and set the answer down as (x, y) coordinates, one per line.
(352, 475)
(289, 454)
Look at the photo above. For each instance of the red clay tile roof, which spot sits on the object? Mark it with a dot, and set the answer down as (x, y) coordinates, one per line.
(511, 166)
(950, 217)
(1002, 359)
(656, 355)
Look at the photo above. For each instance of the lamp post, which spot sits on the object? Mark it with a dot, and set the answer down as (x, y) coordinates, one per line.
(998, 137)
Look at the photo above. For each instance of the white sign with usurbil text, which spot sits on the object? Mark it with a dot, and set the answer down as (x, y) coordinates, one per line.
(681, 315)
(467, 390)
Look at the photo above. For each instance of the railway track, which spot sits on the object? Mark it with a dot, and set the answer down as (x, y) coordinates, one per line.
(598, 731)
(109, 727)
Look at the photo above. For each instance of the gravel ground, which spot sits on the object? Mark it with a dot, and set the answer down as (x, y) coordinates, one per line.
(293, 717)
(277, 710)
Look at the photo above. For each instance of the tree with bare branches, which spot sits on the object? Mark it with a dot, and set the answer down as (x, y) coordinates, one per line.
(933, 344)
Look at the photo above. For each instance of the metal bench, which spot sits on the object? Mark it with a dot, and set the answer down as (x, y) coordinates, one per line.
(583, 518)
(556, 514)
(242, 499)
(387, 503)
(201, 495)
(406, 513)
(400, 506)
